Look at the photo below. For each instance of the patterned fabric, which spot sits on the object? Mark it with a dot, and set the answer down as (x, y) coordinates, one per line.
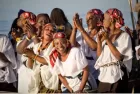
(53, 56)
(59, 35)
(117, 16)
(43, 89)
(29, 16)
(99, 15)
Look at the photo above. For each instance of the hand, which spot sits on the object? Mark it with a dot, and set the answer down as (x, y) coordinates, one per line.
(74, 24)
(31, 30)
(78, 91)
(99, 37)
(104, 34)
(77, 22)
(29, 53)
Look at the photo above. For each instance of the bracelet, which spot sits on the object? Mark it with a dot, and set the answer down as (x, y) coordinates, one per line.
(33, 36)
(27, 38)
(18, 39)
(35, 57)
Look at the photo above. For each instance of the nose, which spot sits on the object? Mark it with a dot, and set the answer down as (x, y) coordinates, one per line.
(43, 23)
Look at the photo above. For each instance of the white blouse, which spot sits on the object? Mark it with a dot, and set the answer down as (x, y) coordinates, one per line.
(73, 65)
(113, 73)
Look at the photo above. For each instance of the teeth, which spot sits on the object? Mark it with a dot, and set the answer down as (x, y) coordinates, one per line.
(60, 48)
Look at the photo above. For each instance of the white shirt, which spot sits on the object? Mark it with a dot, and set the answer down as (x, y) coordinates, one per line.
(7, 75)
(49, 79)
(88, 52)
(73, 65)
(113, 73)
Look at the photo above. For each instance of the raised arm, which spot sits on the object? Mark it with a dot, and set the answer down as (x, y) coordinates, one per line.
(91, 43)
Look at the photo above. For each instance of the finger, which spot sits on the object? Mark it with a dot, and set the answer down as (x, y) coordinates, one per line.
(81, 21)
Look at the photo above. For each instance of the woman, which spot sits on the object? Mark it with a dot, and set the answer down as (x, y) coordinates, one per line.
(114, 51)
(71, 66)
(38, 62)
(59, 19)
(41, 20)
(94, 21)
(8, 65)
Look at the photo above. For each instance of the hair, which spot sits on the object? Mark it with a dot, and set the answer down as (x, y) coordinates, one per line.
(139, 14)
(45, 15)
(14, 25)
(58, 17)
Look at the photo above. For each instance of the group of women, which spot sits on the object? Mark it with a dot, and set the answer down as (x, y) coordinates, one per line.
(53, 56)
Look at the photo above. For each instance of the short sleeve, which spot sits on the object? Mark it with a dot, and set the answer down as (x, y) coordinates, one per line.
(125, 46)
(81, 59)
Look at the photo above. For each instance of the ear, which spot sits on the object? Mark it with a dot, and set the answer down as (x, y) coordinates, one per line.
(68, 43)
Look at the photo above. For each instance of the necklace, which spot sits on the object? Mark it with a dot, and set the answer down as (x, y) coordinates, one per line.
(42, 48)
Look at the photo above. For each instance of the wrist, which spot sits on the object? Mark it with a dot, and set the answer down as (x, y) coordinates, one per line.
(28, 38)
(81, 29)
(34, 36)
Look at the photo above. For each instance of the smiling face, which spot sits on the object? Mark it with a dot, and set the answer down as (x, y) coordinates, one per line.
(48, 32)
(91, 21)
(42, 20)
(61, 45)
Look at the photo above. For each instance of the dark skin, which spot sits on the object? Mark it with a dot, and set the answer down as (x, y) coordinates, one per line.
(78, 24)
(109, 37)
(30, 33)
(61, 45)
(47, 39)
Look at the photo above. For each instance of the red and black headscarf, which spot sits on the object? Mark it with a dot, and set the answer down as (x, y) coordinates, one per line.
(117, 16)
(99, 15)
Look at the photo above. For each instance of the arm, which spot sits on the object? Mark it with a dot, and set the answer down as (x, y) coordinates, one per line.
(84, 78)
(91, 43)
(99, 48)
(30, 63)
(114, 50)
(22, 45)
(73, 38)
(29, 35)
(32, 55)
(99, 45)
(64, 81)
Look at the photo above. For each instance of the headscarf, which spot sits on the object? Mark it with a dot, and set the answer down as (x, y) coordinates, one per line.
(59, 35)
(98, 14)
(20, 12)
(116, 15)
(54, 54)
(30, 17)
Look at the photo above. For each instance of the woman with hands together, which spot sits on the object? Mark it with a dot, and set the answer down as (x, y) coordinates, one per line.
(114, 51)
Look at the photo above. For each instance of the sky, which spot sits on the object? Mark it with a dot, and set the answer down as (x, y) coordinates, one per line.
(10, 8)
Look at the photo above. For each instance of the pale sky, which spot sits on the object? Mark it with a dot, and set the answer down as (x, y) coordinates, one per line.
(10, 8)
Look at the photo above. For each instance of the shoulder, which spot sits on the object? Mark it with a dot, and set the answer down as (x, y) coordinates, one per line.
(125, 35)
(75, 50)
(2, 36)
